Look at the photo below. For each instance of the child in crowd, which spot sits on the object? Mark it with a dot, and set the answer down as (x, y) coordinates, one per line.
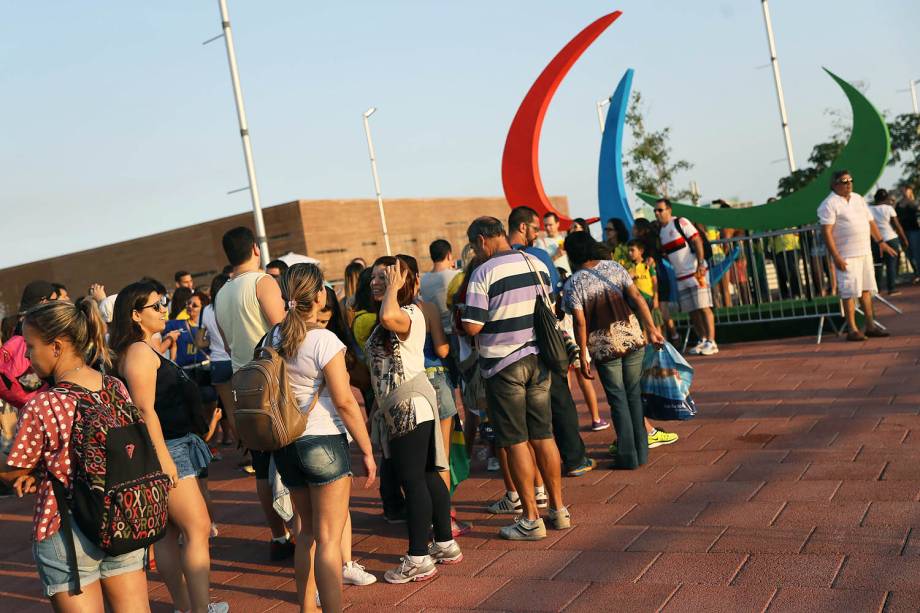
(645, 276)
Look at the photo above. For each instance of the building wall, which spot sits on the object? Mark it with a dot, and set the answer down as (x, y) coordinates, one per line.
(332, 231)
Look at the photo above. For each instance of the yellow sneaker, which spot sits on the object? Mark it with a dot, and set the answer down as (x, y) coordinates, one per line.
(660, 437)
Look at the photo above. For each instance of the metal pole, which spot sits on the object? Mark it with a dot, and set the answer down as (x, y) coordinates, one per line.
(370, 151)
(600, 114)
(779, 87)
(913, 95)
(244, 134)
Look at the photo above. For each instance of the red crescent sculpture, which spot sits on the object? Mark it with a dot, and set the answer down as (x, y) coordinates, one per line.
(520, 161)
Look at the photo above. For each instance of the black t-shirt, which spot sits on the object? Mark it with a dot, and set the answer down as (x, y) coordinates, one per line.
(907, 215)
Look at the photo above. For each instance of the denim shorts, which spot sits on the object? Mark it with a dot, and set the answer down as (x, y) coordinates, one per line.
(56, 575)
(221, 372)
(444, 392)
(314, 460)
(190, 454)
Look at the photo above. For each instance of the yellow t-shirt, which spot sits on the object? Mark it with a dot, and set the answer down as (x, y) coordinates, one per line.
(452, 288)
(641, 275)
(785, 242)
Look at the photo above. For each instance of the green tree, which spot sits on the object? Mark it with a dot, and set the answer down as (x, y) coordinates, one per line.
(905, 148)
(648, 163)
(821, 157)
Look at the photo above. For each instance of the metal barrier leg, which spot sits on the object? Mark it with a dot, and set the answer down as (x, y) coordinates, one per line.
(683, 348)
(820, 329)
(888, 304)
(877, 322)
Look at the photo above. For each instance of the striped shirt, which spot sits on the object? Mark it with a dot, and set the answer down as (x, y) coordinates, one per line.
(501, 297)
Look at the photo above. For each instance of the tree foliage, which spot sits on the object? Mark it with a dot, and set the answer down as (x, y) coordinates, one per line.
(648, 163)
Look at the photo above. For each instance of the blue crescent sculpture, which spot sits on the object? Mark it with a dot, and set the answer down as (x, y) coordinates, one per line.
(611, 189)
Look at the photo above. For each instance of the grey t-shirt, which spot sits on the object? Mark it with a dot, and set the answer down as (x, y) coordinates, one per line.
(433, 289)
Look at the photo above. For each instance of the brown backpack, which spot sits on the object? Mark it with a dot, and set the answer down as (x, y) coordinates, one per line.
(267, 414)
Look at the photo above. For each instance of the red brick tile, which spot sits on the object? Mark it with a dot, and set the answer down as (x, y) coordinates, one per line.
(665, 491)
(715, 491)
(685, 458)
(868, 572)
(894, 514)
(621, 597)
(599, 513)
(753, 456)
(662, 514)
(605, 566)
(474, 560)
(822, 514)
(795, 570)
(804, 491)
(704, 568)
(902, 470)
(902, 602)
(769, 471)
(689, 539)
(719, 599)
(699, 472)
(850, 471)
(454, 592)
(750, 514)
(822, 600)
(761, 540)
(820, 455)
(878, 490)
(591, 537)
(546, 565)
(879, 541)
(534, 595)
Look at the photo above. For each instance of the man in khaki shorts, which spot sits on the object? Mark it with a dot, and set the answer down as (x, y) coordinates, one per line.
(848, 229)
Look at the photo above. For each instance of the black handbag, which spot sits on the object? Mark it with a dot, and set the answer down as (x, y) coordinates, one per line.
(550, 341)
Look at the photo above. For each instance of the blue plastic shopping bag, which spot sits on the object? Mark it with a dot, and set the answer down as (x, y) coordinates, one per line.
(666, 379)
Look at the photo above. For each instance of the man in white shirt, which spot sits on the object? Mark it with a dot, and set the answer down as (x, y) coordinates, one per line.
(848, 229)
(433, 287)
(552, 241)
(683, 246)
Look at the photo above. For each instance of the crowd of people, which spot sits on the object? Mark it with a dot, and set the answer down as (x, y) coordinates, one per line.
(392, 364)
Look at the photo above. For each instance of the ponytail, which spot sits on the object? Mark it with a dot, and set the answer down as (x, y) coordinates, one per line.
(300, 286)
(80, 323)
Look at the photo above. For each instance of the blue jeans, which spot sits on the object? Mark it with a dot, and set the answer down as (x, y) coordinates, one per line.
(314, 460)
(620, 378)
(887, 265)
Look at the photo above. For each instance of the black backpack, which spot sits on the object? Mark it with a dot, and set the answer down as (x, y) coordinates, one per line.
(707, 246)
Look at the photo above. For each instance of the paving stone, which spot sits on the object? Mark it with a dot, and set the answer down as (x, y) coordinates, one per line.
(621, 597)
(822, 514)
(748, 514)
(823, 600)
(665, 491)
(850, 471)
(690, 539)
(771, 471)
(880, 541)
(590, 537)
(605, 566)
(895, 514)
(696, 473)
(873, 572)
(719, 599)
(795, 570)
(761, 540)
(662, 514)
(534, 595)
(546, 565)
(878, 490)
(803, 491)
(714, 491)
(704, 568)
(902, 602)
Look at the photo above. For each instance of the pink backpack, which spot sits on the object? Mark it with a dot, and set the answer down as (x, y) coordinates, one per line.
(13, 366)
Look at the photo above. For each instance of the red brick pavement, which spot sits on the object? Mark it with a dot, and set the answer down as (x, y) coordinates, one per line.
(797, 488)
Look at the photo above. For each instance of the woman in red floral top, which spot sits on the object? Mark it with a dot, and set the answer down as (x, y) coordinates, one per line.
(62, 339)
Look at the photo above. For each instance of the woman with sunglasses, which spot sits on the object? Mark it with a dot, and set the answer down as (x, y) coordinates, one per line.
(171, 405)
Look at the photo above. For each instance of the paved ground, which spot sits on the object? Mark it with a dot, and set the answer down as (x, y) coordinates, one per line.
(795, 489)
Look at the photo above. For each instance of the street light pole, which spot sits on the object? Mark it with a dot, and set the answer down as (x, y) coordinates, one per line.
(913, 95)
(244, 135)
(370, 150)
(779, 87)
(600, 112)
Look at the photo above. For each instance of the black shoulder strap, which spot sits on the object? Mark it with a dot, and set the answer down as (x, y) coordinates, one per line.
(680, 230)
(66, 529)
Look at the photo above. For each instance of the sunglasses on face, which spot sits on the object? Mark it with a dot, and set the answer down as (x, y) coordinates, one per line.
(159, 305)
(844, 181)
(660, 210)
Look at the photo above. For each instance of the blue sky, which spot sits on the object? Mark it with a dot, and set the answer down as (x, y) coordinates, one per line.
(119, 123)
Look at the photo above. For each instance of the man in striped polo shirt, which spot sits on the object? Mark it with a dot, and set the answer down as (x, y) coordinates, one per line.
(500, 301)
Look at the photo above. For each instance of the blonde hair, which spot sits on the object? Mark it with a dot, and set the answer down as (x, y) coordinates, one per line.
(80, 323)
(300, 286)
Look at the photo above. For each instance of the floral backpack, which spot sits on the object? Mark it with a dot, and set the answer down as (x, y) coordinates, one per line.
(119, 493)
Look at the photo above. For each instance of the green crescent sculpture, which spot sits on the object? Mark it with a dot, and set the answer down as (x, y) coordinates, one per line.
(864, 155)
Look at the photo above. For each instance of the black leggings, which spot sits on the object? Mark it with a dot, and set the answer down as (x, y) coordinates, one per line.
(427, 498)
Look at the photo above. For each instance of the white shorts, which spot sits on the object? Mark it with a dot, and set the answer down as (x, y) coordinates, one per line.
(859, 277)
(692, 297)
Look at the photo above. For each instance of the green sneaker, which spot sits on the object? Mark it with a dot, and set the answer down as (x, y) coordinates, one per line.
(612, 450)
(660, 437)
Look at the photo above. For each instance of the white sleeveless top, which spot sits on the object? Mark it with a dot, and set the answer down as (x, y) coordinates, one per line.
(240, 316)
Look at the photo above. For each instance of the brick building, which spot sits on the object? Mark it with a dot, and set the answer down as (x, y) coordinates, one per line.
(332, 231)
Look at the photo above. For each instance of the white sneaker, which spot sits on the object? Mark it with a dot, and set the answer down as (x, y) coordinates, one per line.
(319, 604)
(409, 571)
(214, 531)
(696, 349)
(492, 465)
(505, 505)
(218, 607)
(354, 574)
(709, 348)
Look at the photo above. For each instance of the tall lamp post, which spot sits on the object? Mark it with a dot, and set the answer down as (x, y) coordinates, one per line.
(370, 150)
(779, 87)
(913, 94)
(258, 220)
(600, 104)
